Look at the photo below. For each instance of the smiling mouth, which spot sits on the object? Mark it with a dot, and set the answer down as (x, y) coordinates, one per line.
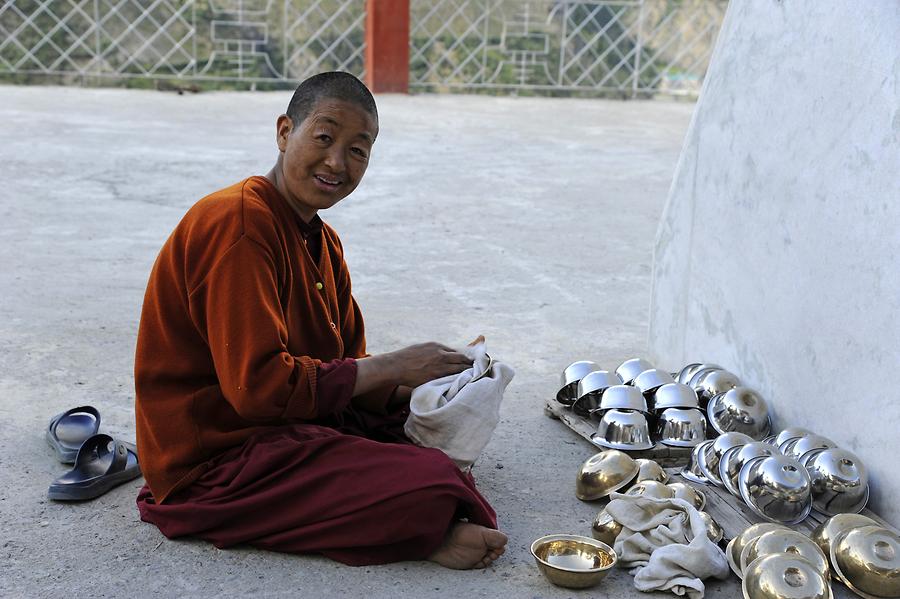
(330, 182)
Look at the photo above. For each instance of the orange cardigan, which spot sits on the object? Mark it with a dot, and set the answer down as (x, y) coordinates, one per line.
(236, 319)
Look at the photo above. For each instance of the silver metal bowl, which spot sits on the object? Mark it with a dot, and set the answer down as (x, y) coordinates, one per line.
(701, 370)
(734, 459)
(568, 383)
(741, 410)
(629, 369)
(679, 427)
(692, 470)
(684, 375)
(840, 482)
(590, 390)
(674, 395)
(776, 488)
(795, 448)
(623, 429)
(709, 460)
(791, 432)
(710, 383)
(651, 380)
(623, 397)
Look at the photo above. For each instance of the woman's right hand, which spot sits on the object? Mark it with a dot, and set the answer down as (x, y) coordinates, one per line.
(424, 362)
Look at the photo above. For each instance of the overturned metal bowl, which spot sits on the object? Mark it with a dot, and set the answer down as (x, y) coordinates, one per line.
(650, 470)
(568, 384)
(734, 459)
(604, 528)
(651, 380)
(692, 471)
(590, 390)
(629, 369)
(573, 561)
(795, 448)
(741, 410)
(674, 395)
(709, 460)
(701, 370)
(784, 576)
(776, 488)
(623, 397)
(867, 560)
(827, 531)
(623, 429)
(786, 541)
(695, 497)
(651, 488)
(710, 383)
(603, 473)
(791, 432)
(680, 427)
(684, 375)
(748, 535)
(840, 482)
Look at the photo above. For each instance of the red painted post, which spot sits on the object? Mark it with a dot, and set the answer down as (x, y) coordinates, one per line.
(387, 46)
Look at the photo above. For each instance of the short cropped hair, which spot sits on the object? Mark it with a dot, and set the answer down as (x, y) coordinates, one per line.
(335, 85)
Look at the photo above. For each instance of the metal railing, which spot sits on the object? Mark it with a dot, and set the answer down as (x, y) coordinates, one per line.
(624, 47)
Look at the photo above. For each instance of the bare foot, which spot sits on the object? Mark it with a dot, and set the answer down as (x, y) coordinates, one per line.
(469, 546)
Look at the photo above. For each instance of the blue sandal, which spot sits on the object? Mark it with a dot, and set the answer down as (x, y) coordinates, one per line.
(102, 463)
(67, 431)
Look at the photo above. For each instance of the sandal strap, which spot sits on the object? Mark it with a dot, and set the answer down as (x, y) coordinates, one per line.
(79, 410)
(102, 445)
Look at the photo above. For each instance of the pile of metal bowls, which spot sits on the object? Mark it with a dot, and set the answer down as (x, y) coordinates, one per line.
(634, 406)
(864, 555)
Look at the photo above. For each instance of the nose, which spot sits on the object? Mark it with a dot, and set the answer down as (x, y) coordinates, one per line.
(334, 159)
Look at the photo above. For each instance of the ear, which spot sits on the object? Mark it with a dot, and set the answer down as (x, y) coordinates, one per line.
(284, 126)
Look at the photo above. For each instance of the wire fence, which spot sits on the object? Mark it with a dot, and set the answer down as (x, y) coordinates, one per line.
(601, 47)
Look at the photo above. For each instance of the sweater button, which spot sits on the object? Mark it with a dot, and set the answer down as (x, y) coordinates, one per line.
(319, 286)
(333, 326)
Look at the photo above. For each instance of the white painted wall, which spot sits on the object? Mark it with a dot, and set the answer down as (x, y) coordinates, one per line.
(778, 253)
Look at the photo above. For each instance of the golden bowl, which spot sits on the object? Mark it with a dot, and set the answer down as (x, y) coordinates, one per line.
(650, 470)
(651, 488)
(867, 560)
(829, 530)
(784, 576)
(696, 497)
(749, 534)
(713, 530)
(605, 529)
(785, 541)
(603, 473)
(573, 561)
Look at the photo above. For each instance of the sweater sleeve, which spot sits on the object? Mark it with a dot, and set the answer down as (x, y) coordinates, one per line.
(237, 308)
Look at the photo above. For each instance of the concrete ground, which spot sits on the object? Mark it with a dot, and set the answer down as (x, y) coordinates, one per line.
(530, 221)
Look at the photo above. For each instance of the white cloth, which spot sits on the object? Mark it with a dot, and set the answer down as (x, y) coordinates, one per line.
(664, 543)
(457, 414)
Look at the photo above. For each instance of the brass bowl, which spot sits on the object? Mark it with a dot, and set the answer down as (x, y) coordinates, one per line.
(776, 488)
(840, 482)
(734, 459)
(674, 395)
(573, 561)
(651, 488)
(695, 497)
(629, 369)
(568, 384)
(651, 380)
(785, 541)
(747, 536)
(590, 391)
(681, 427)
(709, 459)
(867, 560)
(784, 576)
(604, 528)
(713, 530)
(692, 470)
(603, 473)
(740, 409)
(650, 470)
(827, 531)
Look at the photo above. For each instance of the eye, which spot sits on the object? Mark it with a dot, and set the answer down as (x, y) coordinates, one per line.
(360, 152)
(323, 137)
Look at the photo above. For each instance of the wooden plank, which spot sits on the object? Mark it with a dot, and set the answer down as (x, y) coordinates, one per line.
(729, 511)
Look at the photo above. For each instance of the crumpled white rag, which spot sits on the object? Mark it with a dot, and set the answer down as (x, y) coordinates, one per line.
(664, 543)
(456, 414)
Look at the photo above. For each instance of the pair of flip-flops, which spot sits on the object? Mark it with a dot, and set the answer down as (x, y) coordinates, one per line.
(100, 461)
